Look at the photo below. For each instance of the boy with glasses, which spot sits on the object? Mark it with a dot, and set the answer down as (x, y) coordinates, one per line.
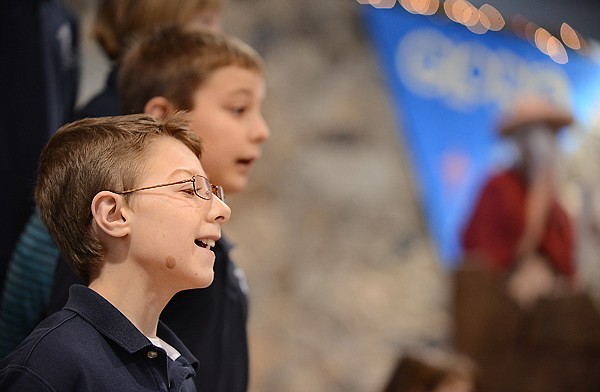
(127, 200)
(220, 81)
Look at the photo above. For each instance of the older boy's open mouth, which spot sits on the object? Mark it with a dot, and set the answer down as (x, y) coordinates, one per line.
(205, 243)
(245, 162)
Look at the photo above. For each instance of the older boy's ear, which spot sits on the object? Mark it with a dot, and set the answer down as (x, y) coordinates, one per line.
(158, 107)
(109, 212)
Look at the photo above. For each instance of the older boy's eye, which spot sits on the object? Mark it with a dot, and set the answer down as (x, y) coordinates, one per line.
(238, 110)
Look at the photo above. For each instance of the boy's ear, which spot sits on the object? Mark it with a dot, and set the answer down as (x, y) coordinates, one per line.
(110, 213)
(158, 107)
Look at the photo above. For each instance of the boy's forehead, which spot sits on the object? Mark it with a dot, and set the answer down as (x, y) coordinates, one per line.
(233, 79)
(168, 155)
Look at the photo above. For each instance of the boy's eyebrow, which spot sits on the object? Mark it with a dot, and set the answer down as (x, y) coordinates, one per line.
(176, 172)
(244, 94)
(241, 90)
(246, 91)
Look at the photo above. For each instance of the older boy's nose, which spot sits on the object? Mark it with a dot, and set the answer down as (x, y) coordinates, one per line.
(260, 130)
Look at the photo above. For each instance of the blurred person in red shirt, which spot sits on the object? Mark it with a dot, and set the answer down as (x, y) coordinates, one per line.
(518, 226)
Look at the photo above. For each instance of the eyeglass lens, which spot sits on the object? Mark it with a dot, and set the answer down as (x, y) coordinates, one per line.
(204, 188)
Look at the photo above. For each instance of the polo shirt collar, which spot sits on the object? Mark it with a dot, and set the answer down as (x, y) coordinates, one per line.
(110, 322)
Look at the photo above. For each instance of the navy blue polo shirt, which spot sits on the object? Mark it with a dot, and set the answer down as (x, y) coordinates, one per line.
(91, 346)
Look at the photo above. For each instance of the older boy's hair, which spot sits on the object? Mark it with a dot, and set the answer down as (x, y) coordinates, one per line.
(173, 62)
(93, 155)
(118, 21)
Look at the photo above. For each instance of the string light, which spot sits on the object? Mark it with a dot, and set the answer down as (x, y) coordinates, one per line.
(556, 50)
(448, 9)
(421, 7)
(430, 8)
(379, 3)
(491, 18)
(540, 38)
(466, 13)
(487, 18)
(530, 30)
(570, 37)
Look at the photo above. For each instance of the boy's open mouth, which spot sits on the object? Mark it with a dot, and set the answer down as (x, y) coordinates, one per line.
(245, 162)
(205, 243)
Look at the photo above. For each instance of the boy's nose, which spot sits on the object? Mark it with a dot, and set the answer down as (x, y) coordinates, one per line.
(260, 131)
(219, 211)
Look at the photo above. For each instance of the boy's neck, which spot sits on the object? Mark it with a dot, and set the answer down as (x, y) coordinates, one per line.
(141, 306)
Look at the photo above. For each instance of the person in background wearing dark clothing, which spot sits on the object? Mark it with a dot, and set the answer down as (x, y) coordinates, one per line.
(108, 189)
(39, 75)
(118, 22)
(32, 266)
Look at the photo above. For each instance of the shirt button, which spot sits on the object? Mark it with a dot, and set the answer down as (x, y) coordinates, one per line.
(152, 354)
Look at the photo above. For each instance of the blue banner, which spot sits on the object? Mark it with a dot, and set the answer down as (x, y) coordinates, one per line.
(449, 86)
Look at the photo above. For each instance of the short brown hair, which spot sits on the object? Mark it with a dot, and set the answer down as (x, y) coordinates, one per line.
(93, 155)
(173, 62)
(118, 21)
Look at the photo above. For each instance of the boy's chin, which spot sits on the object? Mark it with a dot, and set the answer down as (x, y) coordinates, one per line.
(201, 282)
(239, 185)
(207, 282)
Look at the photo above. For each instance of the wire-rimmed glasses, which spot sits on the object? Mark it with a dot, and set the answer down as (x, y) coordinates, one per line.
(202, 188)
